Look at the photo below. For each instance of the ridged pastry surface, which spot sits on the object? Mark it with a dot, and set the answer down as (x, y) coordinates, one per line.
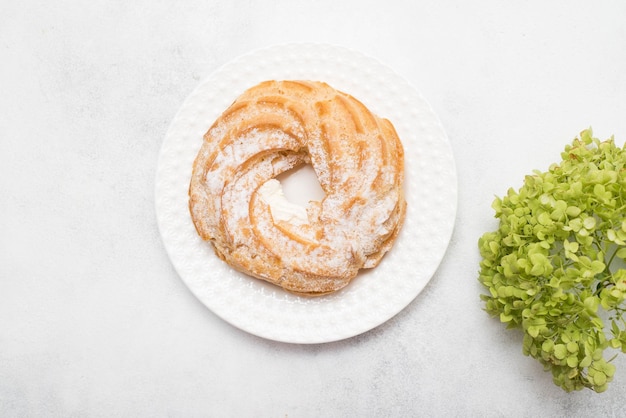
(274, 127)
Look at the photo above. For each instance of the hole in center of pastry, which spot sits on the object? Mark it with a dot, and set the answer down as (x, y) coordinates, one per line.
(300, 185)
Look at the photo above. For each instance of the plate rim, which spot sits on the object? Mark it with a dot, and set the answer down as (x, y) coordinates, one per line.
(317, 48)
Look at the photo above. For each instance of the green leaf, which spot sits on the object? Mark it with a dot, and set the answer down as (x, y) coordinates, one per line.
(560, 351)
(572, 361)
(591, 304)
(611, 235)
(505, 318)
(570, 245)
(585, 362)
(573, 211)
(597, 267)
(545, 219)
(599, 378)
(590, 222)
(572, 347)
(547, 346)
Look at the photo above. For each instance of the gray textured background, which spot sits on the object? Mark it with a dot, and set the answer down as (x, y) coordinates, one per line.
(94, 321)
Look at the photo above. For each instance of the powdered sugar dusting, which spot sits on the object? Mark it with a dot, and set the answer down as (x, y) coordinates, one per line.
(272, 128)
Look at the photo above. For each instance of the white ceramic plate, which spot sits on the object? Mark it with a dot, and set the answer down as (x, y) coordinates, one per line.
(374, 296)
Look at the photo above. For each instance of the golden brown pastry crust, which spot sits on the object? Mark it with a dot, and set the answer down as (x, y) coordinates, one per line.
(274, 127)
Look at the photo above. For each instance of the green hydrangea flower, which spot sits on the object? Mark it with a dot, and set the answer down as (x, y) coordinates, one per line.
(555, 267)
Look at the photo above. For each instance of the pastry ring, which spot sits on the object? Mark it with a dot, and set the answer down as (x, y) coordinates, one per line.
(276, 126)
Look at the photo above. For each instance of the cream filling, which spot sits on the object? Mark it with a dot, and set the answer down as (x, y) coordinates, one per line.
(282, 210)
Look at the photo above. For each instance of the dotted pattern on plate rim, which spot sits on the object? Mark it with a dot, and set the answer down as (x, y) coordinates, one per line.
(374, 296)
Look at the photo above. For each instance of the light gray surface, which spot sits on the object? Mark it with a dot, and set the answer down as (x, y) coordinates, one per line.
(94, 321)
